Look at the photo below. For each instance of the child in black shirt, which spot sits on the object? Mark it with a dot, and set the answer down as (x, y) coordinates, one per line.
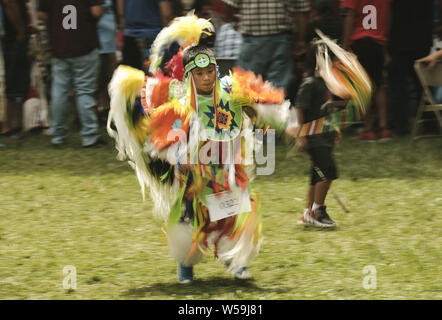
(311, 96)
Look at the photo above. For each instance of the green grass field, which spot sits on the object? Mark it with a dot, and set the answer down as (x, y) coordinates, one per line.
(81, 207)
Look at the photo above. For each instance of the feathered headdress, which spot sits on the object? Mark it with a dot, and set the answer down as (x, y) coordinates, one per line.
(181, 33)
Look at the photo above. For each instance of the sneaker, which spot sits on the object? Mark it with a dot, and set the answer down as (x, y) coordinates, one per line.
(185, 274)
(55, 142)
(386, 135)
(303, 219)
(243, 274)
(366, 135)
(319, 218)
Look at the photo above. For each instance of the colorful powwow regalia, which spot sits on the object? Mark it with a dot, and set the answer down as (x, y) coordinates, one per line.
(195, 152)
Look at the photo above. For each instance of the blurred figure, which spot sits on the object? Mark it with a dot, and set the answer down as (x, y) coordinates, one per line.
(365, 30)
(107, 30)
(141, 21)
(267, 29)
(312, 94)
(410, 38)
(329, 70)
(72, 28)
(36, 107)
(16, 62)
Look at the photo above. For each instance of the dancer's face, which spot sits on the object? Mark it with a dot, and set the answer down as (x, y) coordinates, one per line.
(204, 79)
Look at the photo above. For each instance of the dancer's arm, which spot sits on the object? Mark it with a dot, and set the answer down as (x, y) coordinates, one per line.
(301, 142)
(293, 130)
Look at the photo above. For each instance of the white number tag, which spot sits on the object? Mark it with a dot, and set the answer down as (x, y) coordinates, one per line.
(228, 204)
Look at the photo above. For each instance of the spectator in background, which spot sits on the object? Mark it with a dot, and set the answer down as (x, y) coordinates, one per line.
(74, 43)
(2, 72)
(410, 38)
(107, 30)
(2, 26)
(141, 21)
(202, 8)
(326, 19)
(177, 8)
(267, 30)
(228, 41)
(17, 63)
(365, 30)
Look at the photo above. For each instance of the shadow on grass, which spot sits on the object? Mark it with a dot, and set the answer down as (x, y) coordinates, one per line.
(212, 287)
(311, 228)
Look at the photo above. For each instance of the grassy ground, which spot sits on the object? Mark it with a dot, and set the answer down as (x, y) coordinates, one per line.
(83, 208)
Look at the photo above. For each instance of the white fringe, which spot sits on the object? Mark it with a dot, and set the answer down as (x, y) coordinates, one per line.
(163, 195)
(273, 113)
(236, 254)
(248, 160)
(150, 85)
(180, 242)
(194, 138)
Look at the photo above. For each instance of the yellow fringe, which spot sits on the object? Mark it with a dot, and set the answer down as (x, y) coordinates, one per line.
(132, 81)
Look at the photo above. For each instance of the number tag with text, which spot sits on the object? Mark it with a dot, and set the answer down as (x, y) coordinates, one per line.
(227, 204)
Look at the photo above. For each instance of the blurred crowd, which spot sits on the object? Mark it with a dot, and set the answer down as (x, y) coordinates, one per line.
(46, 68)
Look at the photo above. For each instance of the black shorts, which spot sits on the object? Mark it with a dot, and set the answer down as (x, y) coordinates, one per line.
(371, 56)
(323, 165)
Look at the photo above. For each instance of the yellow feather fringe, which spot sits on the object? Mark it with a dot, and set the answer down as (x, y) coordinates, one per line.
(132, 81)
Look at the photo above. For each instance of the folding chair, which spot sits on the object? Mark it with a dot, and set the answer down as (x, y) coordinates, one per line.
(428, 77)
(225, 65)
